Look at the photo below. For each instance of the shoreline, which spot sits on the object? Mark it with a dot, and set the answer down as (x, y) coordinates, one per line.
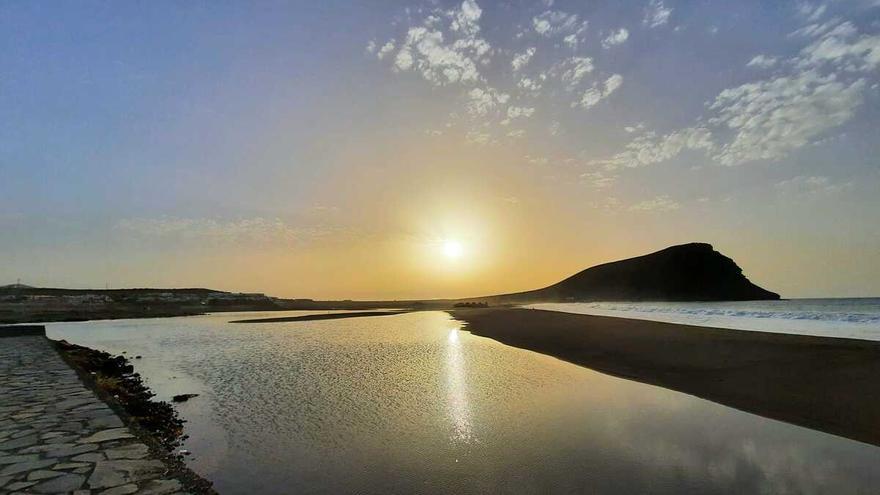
(823, 383)
(80, 316)
(155, 423)
(323, 316)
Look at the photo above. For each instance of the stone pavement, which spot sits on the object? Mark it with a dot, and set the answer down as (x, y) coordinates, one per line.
(57, 436)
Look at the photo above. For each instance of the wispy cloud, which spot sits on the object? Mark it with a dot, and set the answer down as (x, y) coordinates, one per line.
(573, 70)
(816, 91)
(811, 11)
(656, 14)
(773, 117)
(521, 59)
(598, 92)
(446, 48)
(569, 27)
(484, 100)
(252, 230)
(453, 57)
(554, 22)
(650, 148)
(478, 136)
(811, 186)
(516, 112)
(598, 179)
(659, 203)
(385, 50)
(614, 38)
(843, 48)
(530, 85)
(762, 61)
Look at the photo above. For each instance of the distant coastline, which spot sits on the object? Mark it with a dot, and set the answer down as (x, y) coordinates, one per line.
(687, 272)
(323, 316)
(42, 305)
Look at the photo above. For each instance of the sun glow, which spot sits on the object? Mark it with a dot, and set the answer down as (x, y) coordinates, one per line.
(452, 249)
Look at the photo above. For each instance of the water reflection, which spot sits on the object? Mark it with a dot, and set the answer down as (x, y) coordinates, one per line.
(457, 394)
(387, 405)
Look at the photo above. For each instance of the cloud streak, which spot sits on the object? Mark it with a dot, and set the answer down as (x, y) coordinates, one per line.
(521, 59)
(815, 92)
(615, 38)
(656, 14)
(214, 230)
(659, 203)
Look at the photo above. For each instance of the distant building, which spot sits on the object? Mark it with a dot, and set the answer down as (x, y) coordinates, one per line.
(16, 285)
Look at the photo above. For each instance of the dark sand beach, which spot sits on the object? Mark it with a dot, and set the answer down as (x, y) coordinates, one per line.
(827, 384)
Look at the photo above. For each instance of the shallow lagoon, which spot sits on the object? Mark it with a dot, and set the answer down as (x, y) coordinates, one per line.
(414, 404)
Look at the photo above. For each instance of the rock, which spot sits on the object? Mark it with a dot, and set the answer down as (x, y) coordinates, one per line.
(131, 451)
(34, 449)
(62, 484)
(160, 487)
(183, 397)
(64, 439)
(98, 406)
(93, 457)
(75, 402)
(18, 443)
(42, 474)
(69, 451)
(4, 480)
(121, 490)
(71, 465)
(24, 415)
(108, 474)
(107, 435)
(13, 459)
(73, 426)
(19, 434)
(108, 421)
(20, 485)
(26, 466)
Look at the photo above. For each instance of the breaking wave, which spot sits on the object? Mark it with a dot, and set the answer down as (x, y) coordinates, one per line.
(848, 318)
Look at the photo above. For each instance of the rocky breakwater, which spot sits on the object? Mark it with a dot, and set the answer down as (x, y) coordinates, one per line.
(83, 431)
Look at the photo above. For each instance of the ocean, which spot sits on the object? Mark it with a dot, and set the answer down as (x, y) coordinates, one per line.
(854, 318)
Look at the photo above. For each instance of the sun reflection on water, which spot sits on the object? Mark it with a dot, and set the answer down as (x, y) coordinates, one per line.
(459, 409)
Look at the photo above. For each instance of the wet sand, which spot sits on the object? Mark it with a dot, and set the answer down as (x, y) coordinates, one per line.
(828, 384)
(327, 316)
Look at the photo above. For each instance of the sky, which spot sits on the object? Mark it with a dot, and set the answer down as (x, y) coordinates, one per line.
(391, 149)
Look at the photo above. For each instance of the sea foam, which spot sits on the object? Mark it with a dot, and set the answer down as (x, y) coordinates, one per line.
(848, 318)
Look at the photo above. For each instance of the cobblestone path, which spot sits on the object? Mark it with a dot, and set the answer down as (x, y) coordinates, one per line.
(57, 436)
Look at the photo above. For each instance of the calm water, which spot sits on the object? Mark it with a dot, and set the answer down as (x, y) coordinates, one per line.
(857, 318)
(412, 404)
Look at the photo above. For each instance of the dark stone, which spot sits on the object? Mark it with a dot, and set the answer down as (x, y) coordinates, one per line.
(183, 397)
(159, 418)
(62, 484)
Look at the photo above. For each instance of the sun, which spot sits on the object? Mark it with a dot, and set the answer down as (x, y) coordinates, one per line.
(452, 249)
